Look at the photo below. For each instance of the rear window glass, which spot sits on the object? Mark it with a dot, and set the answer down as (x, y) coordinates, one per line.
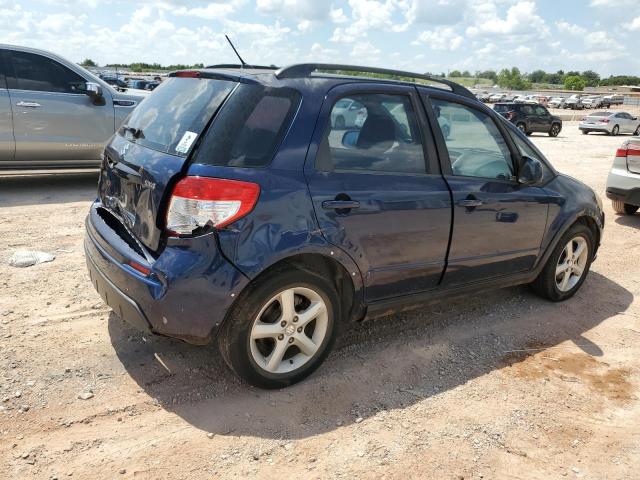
(170, 119)
(503, 108)
(600, 114)
(249, 127)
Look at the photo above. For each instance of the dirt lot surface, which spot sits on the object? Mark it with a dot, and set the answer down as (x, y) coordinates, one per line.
(498, 385)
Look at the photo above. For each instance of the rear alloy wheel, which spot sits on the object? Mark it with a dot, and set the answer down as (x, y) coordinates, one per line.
(555, 130)
(568, 265)
(623, 208)
(282, 329)
(637, 132)
(615, 130)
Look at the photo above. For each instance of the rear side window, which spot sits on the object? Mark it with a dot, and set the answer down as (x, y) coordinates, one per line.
(381, 134)
(42, 74)
(250, 127)
(503, 108)
(170, 119)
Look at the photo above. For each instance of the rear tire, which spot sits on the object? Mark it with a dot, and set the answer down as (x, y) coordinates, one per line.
(551, 283)
(270, 344)
(615, 130)
(637, 132)
(622, 208)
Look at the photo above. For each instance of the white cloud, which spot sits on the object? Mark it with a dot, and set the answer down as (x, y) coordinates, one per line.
(435, 12)
(521, 20)
(442, 38)
(338, 16)
(571, 28)
(210, 12)
(633, 25)
(365, 52)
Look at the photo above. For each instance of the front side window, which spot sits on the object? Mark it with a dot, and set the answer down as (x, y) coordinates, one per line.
(541, 111)
(381, 134)
(476, 146)
(38, 73)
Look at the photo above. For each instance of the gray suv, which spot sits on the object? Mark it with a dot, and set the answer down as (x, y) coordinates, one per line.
(54, 113)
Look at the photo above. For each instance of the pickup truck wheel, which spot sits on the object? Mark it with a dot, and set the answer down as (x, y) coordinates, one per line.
(555, 130)
(623, 208)
(568, 265)
(281, 329)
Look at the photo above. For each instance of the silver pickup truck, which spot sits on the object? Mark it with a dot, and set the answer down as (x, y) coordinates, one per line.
(54, 113)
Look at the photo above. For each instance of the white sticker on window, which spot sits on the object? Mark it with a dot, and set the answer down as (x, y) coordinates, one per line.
(186, 141)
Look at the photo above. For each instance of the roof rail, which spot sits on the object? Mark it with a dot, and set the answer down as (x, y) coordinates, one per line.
(306, 69)
(237, 65)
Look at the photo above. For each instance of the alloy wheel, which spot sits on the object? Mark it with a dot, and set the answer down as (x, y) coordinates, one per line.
(572, 263)
(289, 330)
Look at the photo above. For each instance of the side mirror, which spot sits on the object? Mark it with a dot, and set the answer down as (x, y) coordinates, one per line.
(350, 138)
(529, 171)
(94, 90)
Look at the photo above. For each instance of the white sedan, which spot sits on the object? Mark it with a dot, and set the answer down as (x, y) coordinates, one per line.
(611, 123)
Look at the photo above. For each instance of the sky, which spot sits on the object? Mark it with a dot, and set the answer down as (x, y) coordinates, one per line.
(417, 35)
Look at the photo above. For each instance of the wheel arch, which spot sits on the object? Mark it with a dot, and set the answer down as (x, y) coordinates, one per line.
(346, 279)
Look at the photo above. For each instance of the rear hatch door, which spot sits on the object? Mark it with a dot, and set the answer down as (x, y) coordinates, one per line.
(145, 157)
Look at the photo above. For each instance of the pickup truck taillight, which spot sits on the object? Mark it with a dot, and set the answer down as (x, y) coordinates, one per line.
(200, 202)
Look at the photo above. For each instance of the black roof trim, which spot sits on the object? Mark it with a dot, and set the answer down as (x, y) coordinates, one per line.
(306, 69)
(242, 67)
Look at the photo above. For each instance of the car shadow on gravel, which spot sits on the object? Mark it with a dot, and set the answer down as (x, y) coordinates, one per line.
(628, 220)
(383, 364)
(42, 189)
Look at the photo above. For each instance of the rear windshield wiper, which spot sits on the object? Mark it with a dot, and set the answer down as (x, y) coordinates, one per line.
(135, 132)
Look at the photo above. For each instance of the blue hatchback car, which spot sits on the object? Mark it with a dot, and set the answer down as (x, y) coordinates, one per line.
(232, 209)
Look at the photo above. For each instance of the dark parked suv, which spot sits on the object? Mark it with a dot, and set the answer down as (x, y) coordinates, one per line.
(231, 209)
(530, 118)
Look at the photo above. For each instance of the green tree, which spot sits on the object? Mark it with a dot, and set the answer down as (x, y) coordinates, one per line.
(466, 73)
(455, 73)
(538, 76)
(490, 74)
(513, 79)
(574, 82)
(88, 63)
(591, 78)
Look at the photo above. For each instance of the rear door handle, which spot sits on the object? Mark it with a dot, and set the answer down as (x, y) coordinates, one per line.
(470, 202)
(340, 204)
(28, 104)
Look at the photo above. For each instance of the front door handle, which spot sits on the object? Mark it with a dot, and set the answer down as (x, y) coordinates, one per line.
(470, 202)
(340, 204)
(28, 104)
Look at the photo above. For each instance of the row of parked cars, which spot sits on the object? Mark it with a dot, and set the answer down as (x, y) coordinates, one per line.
(134, 83)
(574, 102)
(582, 102)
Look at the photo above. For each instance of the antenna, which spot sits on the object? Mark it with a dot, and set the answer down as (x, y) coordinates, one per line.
(242, 62)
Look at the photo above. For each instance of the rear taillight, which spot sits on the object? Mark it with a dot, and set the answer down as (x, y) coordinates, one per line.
(604, 120)
(200, 202)
(628, 150)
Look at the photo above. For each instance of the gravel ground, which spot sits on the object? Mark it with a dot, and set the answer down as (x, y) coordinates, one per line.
(498, 385)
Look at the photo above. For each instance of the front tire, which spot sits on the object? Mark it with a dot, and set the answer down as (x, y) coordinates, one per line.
(522, 127)
(622, 208)
(281, 329)
(585, 132)
(555, 130)
(568, 265)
